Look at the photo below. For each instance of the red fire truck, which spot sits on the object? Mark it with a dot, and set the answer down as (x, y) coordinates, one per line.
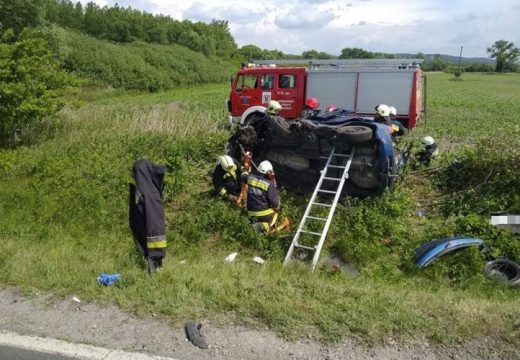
(356, 85)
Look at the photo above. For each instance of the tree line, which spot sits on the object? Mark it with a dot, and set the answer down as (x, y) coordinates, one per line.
(122, 25)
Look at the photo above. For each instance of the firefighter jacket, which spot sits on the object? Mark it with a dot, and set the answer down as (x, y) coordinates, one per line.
(430, 151)
(146, 213)
(262, 196)
(227, 182)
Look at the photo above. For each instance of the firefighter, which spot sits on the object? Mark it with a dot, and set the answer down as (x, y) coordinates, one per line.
(430, 151)
(397, 126)
(273, 108)
(227, 177)
(311, 108)
(383, 115)
(263, 200)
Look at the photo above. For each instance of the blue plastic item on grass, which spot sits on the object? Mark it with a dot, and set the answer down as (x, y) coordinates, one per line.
(108, 279)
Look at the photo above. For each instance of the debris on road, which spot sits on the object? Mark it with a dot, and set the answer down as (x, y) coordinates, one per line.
(193, 334)
(258, 260)
(108, 279)
(231, 257)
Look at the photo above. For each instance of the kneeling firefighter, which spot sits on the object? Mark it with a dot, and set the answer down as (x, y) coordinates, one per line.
(430, 151)
(227, 177)
(146, 212)
(263, 200)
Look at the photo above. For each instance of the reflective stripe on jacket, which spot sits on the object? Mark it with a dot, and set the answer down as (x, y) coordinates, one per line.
(262, 196)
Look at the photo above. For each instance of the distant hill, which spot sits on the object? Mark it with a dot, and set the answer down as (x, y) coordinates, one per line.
(455, 59)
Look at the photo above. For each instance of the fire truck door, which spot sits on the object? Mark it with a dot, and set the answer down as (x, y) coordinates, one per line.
(248, 92)
(287, 93)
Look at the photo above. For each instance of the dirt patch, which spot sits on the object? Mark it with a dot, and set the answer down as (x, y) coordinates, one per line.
(108, 326)
(174, 105)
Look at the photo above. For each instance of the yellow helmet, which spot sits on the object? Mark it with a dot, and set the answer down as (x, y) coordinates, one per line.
(273, 107)
(226, 162)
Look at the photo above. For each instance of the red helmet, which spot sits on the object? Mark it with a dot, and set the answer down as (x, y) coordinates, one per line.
(312, 103)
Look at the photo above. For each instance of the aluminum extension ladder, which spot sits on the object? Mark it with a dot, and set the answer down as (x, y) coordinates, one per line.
(325, 176)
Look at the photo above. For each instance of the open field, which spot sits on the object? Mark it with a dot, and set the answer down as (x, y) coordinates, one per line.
(63, 221)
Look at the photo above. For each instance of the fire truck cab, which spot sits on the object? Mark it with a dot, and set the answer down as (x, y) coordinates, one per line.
(354, 85)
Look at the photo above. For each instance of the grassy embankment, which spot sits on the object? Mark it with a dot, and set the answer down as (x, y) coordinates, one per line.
(63, 220)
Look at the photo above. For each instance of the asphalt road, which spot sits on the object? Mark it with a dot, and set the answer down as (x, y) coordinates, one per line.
(12, 353)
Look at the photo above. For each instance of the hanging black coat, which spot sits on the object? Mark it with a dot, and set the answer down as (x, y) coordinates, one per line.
(146, 213)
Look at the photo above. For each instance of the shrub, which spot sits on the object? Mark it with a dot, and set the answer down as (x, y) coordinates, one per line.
(31, 82)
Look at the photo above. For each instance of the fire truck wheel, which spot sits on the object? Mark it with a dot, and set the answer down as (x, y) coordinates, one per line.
(354, 134)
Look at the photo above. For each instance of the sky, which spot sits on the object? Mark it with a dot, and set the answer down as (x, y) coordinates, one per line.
(396, 26)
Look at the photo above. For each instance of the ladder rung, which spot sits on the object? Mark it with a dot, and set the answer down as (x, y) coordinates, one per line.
(326, 191)
(310, 232)
(329, 178)
(321, 204)
(341, 155)
(315, 218)
(336, 166)
(305, 247)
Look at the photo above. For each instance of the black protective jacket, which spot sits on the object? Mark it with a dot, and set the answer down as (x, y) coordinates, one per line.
(262, 196)
(227, 180)
(425, 156)
(146, 213)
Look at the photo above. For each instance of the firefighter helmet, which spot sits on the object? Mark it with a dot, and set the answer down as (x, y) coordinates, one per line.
(273, 107)
(226, 162)
(312, 103)
(393, 110)
(331, 108)
(428, 140)
(383, 110)
(265, 167)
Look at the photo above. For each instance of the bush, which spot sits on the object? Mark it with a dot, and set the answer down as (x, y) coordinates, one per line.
(137, 65)
(31, 82)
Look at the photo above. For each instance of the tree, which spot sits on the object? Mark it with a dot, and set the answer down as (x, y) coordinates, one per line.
(505, 54)
(310, 54)
(30, 82)
(251, 52)
(355, 53)
(18, 14)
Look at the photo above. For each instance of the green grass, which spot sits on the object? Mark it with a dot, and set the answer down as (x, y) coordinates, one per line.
(63, 221)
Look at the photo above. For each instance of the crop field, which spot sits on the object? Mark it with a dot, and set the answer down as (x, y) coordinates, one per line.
(64, 220)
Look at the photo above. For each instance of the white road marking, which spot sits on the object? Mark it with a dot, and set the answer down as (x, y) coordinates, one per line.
(65, 348)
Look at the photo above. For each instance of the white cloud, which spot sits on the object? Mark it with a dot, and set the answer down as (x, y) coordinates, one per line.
(234, 14)
(304, 18)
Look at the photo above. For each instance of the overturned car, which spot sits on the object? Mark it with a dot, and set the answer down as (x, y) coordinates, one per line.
(299, 150)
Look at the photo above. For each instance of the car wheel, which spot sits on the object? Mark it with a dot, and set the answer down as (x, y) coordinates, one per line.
(504, 270)
(354, 134)
(253, 118)
(279, 126)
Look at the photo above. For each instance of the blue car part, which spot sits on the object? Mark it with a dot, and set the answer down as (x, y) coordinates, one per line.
(427, 253)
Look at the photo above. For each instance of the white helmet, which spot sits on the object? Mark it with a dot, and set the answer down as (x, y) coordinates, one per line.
(226, 162)
(393, 110)
(273, 107)
(383, 110)
(265, 167)
(428, 140)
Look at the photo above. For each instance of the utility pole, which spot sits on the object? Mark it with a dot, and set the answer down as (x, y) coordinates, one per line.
(460, 55)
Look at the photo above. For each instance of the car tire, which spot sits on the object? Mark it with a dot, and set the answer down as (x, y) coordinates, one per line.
(354, 134)
(279, 126)
(504, 270)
